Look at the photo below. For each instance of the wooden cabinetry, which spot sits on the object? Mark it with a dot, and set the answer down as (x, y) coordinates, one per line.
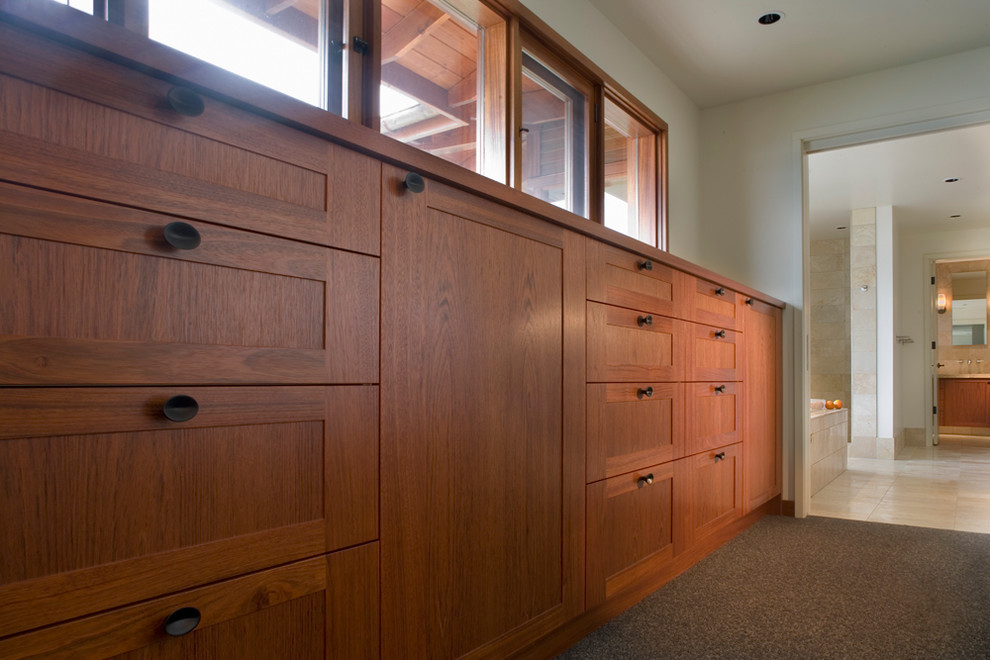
(710, 493)
(964, 402)
(481, 432)
(762, 396)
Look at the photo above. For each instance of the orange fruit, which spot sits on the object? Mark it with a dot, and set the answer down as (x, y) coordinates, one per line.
(829, 405)
(837, 404)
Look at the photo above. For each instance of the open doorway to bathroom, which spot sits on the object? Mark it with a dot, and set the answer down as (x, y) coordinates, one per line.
(880, 214)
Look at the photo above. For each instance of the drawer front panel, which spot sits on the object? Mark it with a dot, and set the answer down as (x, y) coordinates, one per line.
(100, 496)
(632, 425)
(630, 528)
(625, 279)
(711, 484)
(628, 345)
(716, 305)
(714, 415)
(102, 298)
(715, 353)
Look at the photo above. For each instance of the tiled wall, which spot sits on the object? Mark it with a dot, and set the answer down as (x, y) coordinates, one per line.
(829, 431)
(863, 327)
(829, 314)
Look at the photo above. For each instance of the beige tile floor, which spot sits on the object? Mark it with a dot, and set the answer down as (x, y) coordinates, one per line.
(946, 487)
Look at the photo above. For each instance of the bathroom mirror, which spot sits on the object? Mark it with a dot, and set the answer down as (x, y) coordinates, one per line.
(969, 308)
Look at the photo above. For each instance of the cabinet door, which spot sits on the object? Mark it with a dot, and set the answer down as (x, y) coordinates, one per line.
(111, 133)
(630, 529)
(762, 396)
(482, 425)
(714, 415)
(715, 353)
(714, 304)
(624, 279)
(115, 296)
(627, 345)
(109, 501)
(632, 425)
(709, 493)
(272, 615)
(964, 402)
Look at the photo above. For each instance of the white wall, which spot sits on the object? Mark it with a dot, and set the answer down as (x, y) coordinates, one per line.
(591, 33)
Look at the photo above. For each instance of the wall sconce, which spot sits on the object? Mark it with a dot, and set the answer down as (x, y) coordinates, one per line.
(940, 303)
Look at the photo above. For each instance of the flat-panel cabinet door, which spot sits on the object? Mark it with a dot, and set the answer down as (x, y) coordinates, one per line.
(964, 402)
(630, 529)
(109, 295)
(482, 384)
(624, 279)
(633, 424)
(115, 495)
(714, 304)
(762, 397)
(715, 353)
(626, 345)
(709, 493)
(271, 615)
(714, 415)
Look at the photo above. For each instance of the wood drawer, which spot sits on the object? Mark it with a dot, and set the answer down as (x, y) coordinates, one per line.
(632, 425)
(628, 280)
(108, 132)
(627, 345)
(630, 529)
(107, 501)
(715, 304)
(709, 493)
(294, 611)
(714, 415)
(102, 298)
(715, 353)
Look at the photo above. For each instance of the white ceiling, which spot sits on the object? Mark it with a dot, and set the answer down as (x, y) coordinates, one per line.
(717, 53)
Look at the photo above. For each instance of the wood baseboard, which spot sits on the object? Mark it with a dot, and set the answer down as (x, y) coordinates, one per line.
(787, 508)
(566, 636)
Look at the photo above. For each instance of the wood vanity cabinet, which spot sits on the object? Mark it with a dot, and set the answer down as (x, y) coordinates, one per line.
(709, 493)
(964, 402)
(762, 396)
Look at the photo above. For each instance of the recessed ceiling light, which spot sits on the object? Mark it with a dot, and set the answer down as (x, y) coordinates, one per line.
(952, 179)
(770, 18)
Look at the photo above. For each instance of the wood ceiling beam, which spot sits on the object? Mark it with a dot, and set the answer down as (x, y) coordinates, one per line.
(411, 30)
(426, 91)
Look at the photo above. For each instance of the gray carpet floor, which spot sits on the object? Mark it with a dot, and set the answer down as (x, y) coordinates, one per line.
(816, 588)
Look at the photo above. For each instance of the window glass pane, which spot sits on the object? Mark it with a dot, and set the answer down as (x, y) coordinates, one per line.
(630, 175)
(554, 139)
(440, 79)
(82, 5)
(282, 45)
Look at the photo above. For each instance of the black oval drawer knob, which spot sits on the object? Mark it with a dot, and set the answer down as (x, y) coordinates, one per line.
(180, 408)
(719, 456)
(720, 291)
(182, 621)
(719, 389)
(644, 320)
(414, 182)
(750, 301)
(647, 392)
(185, 101)
(644, 481)
(182, 236)
(646, 264)
(720, 334)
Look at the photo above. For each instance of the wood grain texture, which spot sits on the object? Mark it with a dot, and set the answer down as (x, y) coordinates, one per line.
(473, 459)
(352, 626)
(713, 417)
(620, 278)
(630, 530)
(721, 309)
(964, 402)
(709, 495)
(628, 429)
(762, 401)
(713, 357)
(103, 491)
(224, 607)
(623, 347)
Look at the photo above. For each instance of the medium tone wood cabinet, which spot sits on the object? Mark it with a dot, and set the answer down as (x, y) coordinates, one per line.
(710, 493)
(762, 396)
(964, 402)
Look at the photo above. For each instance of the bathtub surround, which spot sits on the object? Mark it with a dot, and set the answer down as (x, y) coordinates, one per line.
(829, 436)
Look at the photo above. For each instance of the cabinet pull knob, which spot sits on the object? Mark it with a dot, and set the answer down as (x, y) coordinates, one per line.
(644, 481)
(414, 182)
(644, 320)
(720, 334)
(720, 291)
(180, 408)
(647, 392)
(185, 101)
(182, 621)
(719, 456)
(749, 301)
(182, 236)
(719, 389)
(646, 264)
(361, 46)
